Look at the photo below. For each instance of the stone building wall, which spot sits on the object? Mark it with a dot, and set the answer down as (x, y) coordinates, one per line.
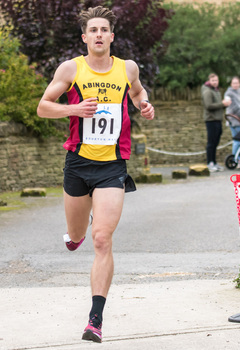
(27, 161)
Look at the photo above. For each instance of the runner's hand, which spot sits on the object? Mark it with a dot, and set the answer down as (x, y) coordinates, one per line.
(147, 110)
(87, 108)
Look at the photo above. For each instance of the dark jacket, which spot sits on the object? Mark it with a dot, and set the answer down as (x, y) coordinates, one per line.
(212, 103)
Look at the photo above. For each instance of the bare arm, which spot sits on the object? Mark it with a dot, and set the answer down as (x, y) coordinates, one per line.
(49, 108)
(137, 92)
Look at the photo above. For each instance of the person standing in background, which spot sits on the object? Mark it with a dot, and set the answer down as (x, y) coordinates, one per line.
(213, 116)
(233, 93)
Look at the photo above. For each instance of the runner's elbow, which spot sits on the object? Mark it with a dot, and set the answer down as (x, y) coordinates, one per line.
(40, 112)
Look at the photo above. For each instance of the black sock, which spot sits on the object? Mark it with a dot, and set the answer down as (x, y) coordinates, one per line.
(96, 312)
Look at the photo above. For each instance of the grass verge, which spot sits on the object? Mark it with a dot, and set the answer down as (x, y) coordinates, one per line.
(15, 201)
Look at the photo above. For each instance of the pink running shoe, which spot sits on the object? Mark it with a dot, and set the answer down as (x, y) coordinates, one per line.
(70, 244)
(92, 333)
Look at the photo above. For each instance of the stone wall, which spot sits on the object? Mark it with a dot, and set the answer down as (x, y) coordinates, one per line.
(28, 161)
(178, 127)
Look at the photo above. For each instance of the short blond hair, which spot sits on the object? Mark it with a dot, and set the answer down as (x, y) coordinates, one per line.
(97, 12)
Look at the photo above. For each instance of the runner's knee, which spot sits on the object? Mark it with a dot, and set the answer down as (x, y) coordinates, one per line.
(102, 242)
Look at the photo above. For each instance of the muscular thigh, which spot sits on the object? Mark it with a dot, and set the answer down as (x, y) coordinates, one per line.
(107, 204)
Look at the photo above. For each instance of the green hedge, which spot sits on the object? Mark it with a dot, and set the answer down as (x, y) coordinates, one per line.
(21, 88)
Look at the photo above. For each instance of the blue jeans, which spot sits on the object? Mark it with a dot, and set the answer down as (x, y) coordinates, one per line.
(236, 144)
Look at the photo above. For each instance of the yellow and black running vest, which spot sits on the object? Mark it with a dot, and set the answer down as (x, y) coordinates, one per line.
(106, 136)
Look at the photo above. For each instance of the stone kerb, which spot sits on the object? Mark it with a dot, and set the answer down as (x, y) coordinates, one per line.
(179, 174)
(34, 192)
(198, 170)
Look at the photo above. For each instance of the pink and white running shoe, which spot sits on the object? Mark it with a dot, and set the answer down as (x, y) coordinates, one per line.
(93, 334)
(72, 245)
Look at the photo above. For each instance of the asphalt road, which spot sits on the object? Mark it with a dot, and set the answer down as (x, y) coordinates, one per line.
(185, 229)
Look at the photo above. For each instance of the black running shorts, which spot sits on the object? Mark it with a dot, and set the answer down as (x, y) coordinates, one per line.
(82, 176)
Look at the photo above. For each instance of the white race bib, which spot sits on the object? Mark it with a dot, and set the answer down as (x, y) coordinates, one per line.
(105, 126)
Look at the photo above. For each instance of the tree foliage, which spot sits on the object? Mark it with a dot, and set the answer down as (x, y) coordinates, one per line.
(140, 25)
(21, 88)
(200, 40)
(49, 31)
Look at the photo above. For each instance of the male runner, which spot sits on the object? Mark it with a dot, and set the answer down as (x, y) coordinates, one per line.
(95, 175)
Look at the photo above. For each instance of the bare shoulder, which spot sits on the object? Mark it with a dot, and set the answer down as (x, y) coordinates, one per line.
(62, 80)
(132, 70)
(66, 71)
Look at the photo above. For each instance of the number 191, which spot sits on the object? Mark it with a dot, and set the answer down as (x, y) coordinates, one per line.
(102, 124)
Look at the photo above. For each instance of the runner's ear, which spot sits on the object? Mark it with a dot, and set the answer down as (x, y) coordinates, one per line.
(84, 38)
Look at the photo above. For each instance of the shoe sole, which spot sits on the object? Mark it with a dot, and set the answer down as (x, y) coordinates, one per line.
(89, 335)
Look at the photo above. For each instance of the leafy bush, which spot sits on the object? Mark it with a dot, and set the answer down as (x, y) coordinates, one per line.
(20, 88)
(200, 40)
(49, 31)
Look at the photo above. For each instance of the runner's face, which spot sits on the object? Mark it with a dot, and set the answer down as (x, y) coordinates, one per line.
(98, 36)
